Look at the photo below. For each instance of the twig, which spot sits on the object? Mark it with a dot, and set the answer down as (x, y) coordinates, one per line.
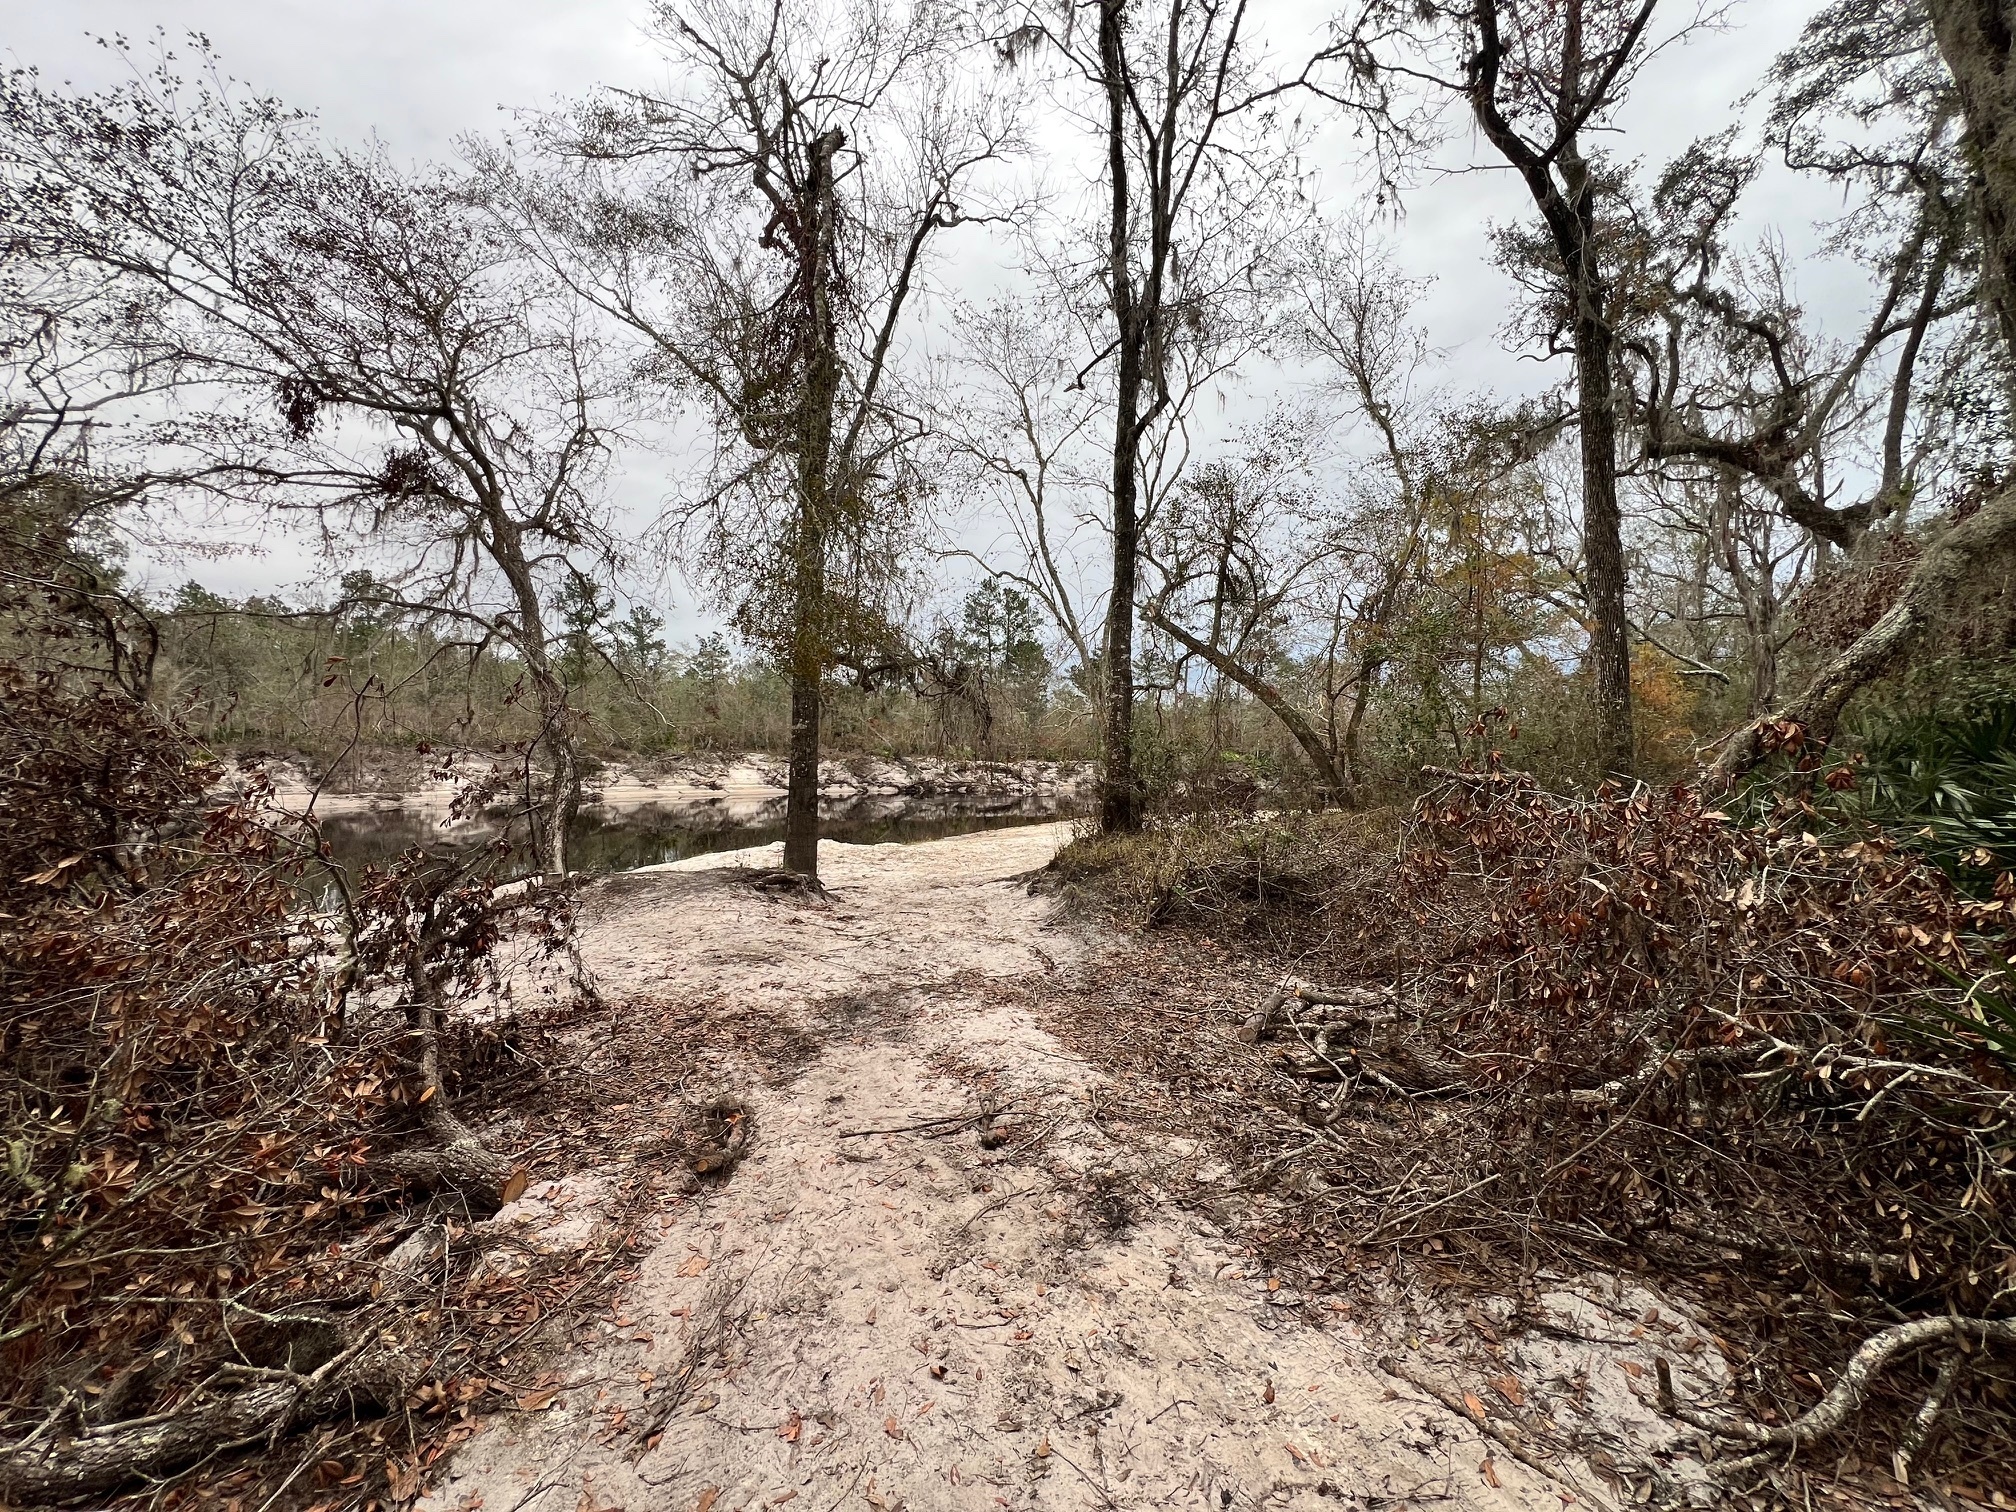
(1512, 1445)
(955, 1121)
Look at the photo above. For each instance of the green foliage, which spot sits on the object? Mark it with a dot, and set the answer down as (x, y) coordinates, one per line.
(1944, 783)
(351, 683)
(1986, 1018)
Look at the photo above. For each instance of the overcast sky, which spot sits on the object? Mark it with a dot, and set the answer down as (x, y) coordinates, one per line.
(419, 73)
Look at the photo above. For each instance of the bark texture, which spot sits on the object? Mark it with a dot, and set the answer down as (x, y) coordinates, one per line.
(1119, 792)
(1974, 38)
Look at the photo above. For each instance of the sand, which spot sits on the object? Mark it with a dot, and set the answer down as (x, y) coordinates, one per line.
(960, 1314)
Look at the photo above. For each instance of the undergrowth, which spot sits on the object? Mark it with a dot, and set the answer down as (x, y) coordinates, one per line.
(1768, 1068)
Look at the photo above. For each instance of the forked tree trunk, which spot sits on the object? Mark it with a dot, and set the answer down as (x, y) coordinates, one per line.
(1569, 209)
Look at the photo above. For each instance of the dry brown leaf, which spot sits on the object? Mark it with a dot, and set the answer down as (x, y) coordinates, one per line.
(1475, 1404)
(1296, 1454)
(707, 1499)
(515, 1184)
(792, 1427)
(1043, 1449)
(1508, 1387)
(893, 1428)
(693, 1265)
(1632, 1368)
(402, 1481)
(538, 1401)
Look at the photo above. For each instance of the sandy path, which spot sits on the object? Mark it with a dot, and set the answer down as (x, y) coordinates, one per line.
(927, 1318)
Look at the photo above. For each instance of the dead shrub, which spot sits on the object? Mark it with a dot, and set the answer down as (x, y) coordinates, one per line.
(216, 1107)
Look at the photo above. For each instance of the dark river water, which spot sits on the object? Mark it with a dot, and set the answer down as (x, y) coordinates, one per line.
(617, 839)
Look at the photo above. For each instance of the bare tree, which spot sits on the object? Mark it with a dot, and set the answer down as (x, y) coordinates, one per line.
(1017, 416)
(1193, 170)
(349, 341)
(766, 231)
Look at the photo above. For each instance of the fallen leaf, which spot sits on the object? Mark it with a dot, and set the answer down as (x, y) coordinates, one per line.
(1042, 1451)
(1632, 1368)
(403, 1481)
(893, 1428)
(1296, 1454)
(1508, 1388)
(1273, 1283)
(707, 1499)
(694, 1264)
(793, 1426)
(515, 1184)
(537, 1401)
(1476, 1406)
(778, 1501)
(1489, 1470)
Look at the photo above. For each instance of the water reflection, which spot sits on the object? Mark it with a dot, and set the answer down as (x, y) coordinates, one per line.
(608, 838)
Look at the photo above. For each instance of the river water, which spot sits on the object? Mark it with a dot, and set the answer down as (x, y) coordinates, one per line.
(617, 838)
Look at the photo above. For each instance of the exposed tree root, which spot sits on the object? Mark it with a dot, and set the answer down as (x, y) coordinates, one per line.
(1835, 1409)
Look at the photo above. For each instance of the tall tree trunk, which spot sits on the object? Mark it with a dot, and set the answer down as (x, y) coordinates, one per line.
(809, 648)
(1569, 210)
(551, 824)
(1975, 38)
(1602, 520)
(564, 802)
(1119, 795)
(801, 794)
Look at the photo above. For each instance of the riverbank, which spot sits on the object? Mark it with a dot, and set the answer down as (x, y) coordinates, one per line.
(732, 785)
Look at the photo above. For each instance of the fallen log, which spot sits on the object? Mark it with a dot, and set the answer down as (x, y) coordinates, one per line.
(1397, 1060)
(52, 1465)
(1263, 1023)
